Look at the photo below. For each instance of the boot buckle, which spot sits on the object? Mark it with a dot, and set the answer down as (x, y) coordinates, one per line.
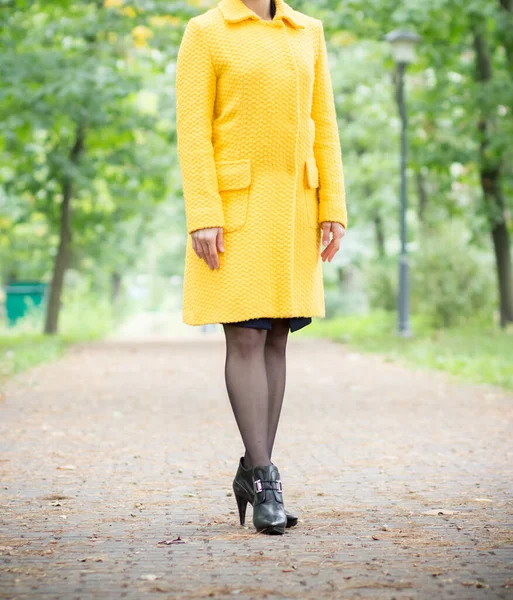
(257, 486)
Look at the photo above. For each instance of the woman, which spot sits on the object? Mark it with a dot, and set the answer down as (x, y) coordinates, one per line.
(263, 185)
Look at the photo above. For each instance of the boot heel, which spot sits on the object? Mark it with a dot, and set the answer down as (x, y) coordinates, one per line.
(242, 504)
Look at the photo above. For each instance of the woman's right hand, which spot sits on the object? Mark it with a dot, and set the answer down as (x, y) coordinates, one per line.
(206, 243)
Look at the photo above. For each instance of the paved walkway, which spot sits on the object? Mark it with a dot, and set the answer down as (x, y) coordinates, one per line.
(117, 463)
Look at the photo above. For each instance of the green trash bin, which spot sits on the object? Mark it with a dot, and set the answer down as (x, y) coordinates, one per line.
(21, 296)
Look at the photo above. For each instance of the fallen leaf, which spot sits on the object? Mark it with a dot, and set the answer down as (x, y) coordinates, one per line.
(437, 511)
(178, 540)
(56, 497)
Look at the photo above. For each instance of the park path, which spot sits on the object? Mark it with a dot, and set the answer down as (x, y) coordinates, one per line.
(117, 462)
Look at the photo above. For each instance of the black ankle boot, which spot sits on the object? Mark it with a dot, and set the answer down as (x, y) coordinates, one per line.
(268, 510)
(243, 489)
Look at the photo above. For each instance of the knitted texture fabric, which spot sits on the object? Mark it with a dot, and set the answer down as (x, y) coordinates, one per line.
(259, 152)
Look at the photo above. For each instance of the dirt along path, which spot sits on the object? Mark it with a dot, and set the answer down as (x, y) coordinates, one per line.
(117, 462)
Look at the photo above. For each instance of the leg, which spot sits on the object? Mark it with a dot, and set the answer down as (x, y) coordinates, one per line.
(275, 360)
(274, 352)
(246, 383)
(274, 357)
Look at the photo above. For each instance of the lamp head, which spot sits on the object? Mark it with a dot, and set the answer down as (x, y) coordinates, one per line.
(403, 45)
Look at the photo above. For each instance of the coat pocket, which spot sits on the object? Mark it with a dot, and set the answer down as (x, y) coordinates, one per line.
(234, 179)
(311, 181)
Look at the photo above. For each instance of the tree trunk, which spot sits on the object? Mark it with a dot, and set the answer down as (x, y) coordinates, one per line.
(501, 245)
(491, 175)
(115, 286)
(64, 251)
(340, 276)
(490, 182)
(422, 195)
(380, 235)
(505, 27)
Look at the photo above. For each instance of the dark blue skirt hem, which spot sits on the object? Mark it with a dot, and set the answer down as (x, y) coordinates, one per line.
(295, 323)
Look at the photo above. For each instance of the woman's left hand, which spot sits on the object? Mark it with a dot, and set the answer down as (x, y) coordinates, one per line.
(338, 231)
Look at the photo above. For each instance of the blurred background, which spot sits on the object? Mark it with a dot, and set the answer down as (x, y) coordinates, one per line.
(92, 223)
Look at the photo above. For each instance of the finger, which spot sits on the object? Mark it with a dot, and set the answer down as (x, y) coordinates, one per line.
(201, 251)
(195, 246)
(340, 232)
(325, 252)
(220, 239)
(208, 253)
(325, 249)
(212, 254)
(326, 228)
(328, 251)
(212, 248)
(205, 253)
(335, 245)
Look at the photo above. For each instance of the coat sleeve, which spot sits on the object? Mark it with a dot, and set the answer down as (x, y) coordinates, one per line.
(328, 155)
(195, 97)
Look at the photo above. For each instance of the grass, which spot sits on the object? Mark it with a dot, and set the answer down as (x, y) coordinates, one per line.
(479, 351)
(23, 346)
(19, 352)
(22, 351)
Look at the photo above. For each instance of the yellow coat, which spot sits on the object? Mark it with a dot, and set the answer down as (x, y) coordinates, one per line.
(259, 153)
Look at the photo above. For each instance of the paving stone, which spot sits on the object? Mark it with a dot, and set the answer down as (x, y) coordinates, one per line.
(402, 479)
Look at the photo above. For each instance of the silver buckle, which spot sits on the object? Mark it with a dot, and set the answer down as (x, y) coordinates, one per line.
(257, 485)
(280, 489)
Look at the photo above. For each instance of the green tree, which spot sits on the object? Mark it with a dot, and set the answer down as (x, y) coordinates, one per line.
(74, 126)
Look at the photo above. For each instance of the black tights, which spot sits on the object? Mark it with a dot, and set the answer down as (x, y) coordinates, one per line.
(255, 381)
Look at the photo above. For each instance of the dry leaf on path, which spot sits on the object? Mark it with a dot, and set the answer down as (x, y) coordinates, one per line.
(178, 540)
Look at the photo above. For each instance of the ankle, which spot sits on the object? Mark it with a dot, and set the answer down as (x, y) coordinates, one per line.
(261, 464)
(246, 462)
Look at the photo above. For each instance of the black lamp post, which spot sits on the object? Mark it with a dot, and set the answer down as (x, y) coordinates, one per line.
(403, 51)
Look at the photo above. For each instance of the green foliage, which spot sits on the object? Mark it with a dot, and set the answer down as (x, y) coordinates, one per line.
(104, 69)
(477, 351)
(333, 302)
(85, 316)
(78, 108)
(381, 283)
(452, 281)
(19, 352)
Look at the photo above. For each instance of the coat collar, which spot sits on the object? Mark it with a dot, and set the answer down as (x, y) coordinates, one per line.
(236, 10)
